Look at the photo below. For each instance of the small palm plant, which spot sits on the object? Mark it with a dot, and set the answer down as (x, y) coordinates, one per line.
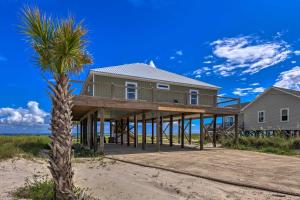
(60, 48)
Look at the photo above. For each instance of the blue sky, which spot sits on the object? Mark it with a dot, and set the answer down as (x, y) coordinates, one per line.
(241, 46)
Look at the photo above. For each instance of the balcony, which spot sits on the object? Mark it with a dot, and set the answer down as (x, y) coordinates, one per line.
(130, 93)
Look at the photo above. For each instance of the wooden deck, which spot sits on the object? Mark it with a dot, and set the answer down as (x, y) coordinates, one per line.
(85, 104)
(124, 116)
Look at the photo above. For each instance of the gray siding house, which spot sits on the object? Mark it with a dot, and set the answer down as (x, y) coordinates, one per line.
(275, 109)
(140, 81)
(128, 94)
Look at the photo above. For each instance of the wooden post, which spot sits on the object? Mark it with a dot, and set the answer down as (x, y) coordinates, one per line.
(215, 131)
(128, 132)
(158, 130)
(236, 129)
(152, 131)
(95, 131)
(110, 129)
(179, 132)
(182, 130)
(122, 131)
(81, 131)
(77, 132)
(135, 127)
(116, 131)
(101, 130)
(190, 131)
(171, 130)
(89, 132)
(161, 130)
(143, 132)
(201, 131)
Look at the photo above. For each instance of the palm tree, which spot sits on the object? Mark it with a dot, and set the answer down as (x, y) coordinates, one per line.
(60, 49)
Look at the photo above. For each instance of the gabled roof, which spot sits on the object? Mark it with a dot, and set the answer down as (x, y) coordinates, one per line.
(147, 72)
(294, 92)
(291, 92)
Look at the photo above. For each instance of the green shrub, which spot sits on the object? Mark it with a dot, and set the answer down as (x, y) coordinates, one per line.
(80, 151)
(11, 146)
(35, 190)
(42, 189)
(276, 145)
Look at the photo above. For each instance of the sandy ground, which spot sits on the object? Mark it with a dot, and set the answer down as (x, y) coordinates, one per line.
(261, 169)
(107, 179)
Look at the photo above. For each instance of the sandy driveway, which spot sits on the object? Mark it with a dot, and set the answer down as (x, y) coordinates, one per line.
(107, 179)
(272, 171)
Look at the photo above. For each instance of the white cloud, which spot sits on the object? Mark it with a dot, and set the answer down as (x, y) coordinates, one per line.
(172, 57)
(247, 54)
(151, 63)
(179, 52)
(293, 61)
(31, 115)
(207, 62)
(254, 84)
(258, 90)
(297, 52)
(241, 91)
(289, 79)
(248, 90)
(204, 70)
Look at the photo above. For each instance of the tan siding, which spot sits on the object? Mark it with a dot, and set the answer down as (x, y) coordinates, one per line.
(103, 88)
(271, 103)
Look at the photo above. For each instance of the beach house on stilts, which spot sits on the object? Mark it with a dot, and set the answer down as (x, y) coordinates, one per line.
(127, 94)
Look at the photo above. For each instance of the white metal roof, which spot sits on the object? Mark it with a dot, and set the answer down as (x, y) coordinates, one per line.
(148, 72)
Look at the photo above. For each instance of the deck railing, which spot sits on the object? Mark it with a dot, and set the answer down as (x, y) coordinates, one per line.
(118, 92)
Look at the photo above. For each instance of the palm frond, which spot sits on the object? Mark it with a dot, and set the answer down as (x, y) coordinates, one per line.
(60, 47)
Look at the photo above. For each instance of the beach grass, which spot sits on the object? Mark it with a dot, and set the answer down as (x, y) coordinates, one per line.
(26, 145)
(276, 145)
(39, 188)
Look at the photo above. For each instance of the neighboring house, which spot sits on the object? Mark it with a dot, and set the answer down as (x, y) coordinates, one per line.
(127, 94)
(275, 109)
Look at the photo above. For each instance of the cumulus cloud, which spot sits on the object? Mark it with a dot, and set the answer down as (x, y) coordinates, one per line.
(247, 55)
(289, 79)
(247, 91)
(32, 115)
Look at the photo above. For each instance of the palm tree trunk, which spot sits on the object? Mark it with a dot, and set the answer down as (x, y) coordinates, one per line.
(61, 139)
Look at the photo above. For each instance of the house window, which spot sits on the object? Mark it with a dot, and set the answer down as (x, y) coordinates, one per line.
(229, 121)
(193, 97)
(131, 91)
(162, 86)
(284, 114)
(261, 116)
